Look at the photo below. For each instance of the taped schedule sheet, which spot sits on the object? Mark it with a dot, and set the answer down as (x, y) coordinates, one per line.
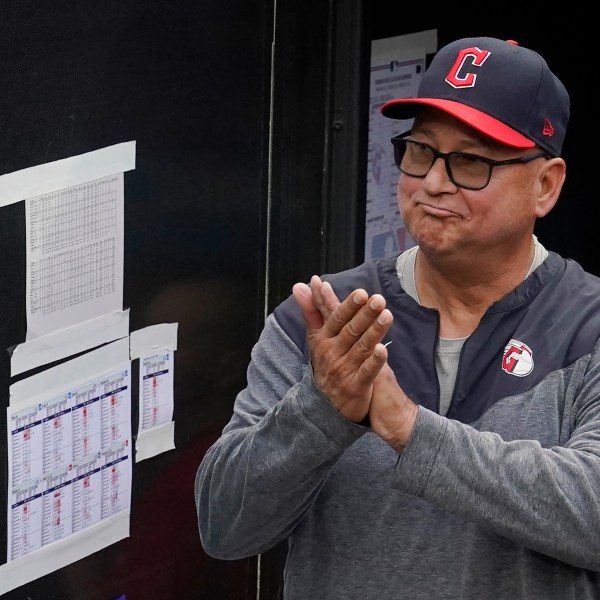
(155, 347)
(69, 446)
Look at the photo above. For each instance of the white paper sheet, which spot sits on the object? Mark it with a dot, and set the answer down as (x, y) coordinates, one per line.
(69, 443)
(156, 390)
(74, 242)
(154, 346)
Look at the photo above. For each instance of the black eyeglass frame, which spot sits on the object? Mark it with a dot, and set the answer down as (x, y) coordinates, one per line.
(445, 157)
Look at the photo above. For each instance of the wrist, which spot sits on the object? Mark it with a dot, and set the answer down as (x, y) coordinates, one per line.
(393, 415)
(401, 433)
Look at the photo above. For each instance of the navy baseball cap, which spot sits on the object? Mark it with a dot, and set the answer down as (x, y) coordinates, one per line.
(499, 88)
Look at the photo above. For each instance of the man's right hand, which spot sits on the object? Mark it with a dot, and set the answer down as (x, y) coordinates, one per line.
(344, 343)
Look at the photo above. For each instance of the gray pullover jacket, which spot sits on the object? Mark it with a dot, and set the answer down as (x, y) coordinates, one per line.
(498, 499)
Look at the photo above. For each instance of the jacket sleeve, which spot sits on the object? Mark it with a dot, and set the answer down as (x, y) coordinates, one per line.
(258, 479)
(546, 499)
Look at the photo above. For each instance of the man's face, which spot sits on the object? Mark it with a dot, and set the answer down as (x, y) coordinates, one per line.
(443, 218)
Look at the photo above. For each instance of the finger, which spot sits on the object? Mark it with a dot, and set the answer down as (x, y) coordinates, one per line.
(371, 339)
(315, 287)
(324, 297)
(353, 330)
(311, 314)
(372, 365)
(344, 312)
(330, 300)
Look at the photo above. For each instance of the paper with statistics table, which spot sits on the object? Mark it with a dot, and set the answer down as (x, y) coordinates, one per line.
(74, 246)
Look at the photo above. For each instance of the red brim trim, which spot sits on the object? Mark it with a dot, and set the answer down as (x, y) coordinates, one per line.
(471, 116)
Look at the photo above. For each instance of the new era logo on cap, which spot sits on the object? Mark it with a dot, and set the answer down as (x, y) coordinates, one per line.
(548, 129)
(497, 87)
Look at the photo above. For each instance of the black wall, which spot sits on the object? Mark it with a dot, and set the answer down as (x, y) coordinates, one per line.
(189, 82)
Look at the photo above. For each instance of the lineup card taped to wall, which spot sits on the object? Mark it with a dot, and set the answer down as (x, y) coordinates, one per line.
(69, 464)
(156, 390)
(154, 346)
(397, 65)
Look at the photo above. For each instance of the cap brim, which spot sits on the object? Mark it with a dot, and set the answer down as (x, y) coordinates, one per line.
(404, 108)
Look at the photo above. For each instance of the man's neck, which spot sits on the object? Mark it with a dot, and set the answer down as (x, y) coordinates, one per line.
(463, 290)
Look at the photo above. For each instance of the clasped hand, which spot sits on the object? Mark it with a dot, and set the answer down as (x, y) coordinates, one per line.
(349, 360)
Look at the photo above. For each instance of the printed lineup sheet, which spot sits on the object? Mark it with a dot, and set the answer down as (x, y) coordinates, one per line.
(155, 347)
(156, 390)
(69, 463)
(74, 240)
(397, 65)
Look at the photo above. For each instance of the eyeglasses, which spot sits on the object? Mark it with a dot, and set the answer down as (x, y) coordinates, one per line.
(468, 171)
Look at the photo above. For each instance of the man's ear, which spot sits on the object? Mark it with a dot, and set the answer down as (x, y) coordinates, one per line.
(551, 178)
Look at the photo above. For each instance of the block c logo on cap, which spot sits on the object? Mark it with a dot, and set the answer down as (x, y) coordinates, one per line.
(475, 57)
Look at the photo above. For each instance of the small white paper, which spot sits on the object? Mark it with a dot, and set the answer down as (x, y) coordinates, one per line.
(154, 346)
